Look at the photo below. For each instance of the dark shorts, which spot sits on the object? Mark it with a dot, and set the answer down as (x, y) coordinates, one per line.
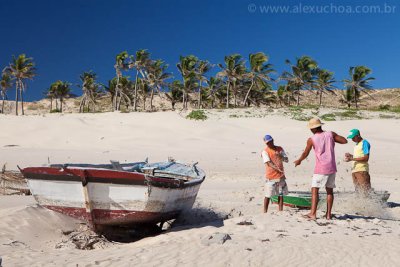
(362, 181)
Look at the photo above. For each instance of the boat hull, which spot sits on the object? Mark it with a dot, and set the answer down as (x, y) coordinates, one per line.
(107, 197)
(303, 199)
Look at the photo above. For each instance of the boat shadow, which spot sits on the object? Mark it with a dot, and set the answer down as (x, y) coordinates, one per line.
(393, 205)
(197, 218)
(194, 218)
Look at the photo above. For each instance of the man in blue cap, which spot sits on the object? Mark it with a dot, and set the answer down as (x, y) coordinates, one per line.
(360, 158)
(275, 184)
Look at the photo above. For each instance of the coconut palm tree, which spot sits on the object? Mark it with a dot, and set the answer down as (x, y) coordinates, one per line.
(5, 84)
(143, 90)
(233, 72)
(62, 91)
(259, 73)
(324, 83)
(156, 78)
(358, 82)
(187, 66)
(301, 75)
(203, 67)
(120, 64)
(20, 69)
(50, 93)
(91, 90)
(140, 62)
(214, 89)
(284, 95)
(175, 92)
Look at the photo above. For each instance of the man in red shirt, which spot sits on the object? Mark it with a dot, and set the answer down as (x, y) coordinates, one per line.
(273, 158)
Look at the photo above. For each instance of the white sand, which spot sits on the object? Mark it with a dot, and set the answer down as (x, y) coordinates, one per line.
(228, 150)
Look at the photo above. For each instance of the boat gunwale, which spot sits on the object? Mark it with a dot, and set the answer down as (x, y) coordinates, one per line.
(128, 178)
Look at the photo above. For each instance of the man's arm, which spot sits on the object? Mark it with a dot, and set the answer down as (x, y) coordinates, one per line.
(339, 139)
(273, 166)
(305, 154)
(366, 150)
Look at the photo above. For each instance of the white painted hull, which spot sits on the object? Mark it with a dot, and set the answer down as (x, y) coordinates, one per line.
(114, 203)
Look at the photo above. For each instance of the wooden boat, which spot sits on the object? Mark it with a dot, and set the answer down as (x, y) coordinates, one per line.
(298, 199)
(116, 194)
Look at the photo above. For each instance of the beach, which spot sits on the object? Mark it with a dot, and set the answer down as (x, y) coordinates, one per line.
(229, 203)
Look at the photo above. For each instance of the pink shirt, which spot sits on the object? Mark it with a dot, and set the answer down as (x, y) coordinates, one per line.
(324, 148)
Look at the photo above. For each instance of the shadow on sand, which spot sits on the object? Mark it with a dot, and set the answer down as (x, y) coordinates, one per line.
(194, 218)
(393, 204)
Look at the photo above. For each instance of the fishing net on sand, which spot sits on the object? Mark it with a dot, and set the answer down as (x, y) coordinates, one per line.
(13, 183)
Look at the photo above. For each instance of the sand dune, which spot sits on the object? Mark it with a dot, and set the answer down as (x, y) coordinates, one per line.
(229, 201)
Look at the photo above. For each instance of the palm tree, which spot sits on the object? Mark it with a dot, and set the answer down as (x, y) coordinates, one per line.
(62, 91)
(140, 62)
(259, 73)
(50, 93)
(126, 89)
(301, 75)
(5, 84)
(284, 95)
(202, 68)
(156, 78)
(120, 64)
(324, 83)
(20, 69)
(144, 90)
(358, 82)
(233, 72)
(214, 89)
(175, 92)
(91, 90)
(187, 66)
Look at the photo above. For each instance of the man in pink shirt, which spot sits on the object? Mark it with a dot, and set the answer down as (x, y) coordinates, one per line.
(325, 164)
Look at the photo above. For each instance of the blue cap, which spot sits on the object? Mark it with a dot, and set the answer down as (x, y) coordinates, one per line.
(268, 138)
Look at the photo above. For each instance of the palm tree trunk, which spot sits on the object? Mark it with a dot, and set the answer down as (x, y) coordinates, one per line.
(21, 90)
(355, 98)
(51, 103)
(61, 104)
(199, 100)
(2, 106)
(117, 71)
(136, 83)
(227, 94)
(298, 97)
(16, 97)
(320, 98)
(151, 99)
(81, 105)
(248, 92)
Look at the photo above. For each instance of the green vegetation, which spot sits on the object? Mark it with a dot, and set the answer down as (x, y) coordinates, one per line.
(385, 116)
(328, 117)
(348, 114)
(301, 116)
(197, 115)
(55, 110)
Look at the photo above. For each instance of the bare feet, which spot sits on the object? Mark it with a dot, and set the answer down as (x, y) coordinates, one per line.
(309, 217)
(328, 216)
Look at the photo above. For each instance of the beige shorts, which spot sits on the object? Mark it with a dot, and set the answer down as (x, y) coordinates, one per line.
(276, 187)
(324, 180)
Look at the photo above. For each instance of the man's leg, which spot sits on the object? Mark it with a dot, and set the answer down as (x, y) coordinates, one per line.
(356, 181)
(266, 203)
(280, 202)
(329, 202)
(365, 182)
(314, 202)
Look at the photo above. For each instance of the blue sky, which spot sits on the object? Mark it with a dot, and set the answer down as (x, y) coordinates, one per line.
(66, 38)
